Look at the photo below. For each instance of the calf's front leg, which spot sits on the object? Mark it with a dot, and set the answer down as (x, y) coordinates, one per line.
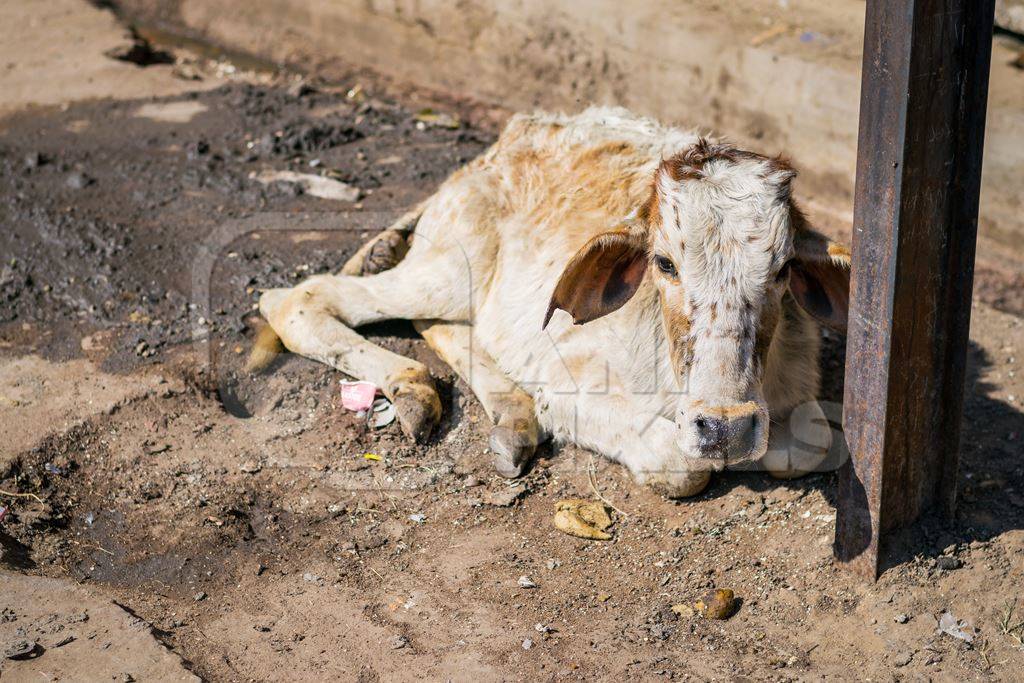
(315, 319)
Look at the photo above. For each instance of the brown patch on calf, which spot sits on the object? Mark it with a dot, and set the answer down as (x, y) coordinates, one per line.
(595, 155)
(745, 409)
(689, 164)
(680, 343)
(649, 215)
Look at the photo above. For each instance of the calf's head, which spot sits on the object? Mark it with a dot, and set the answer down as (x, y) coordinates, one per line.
(726, 249)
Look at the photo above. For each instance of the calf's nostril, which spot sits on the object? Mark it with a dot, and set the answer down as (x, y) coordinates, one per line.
(711, 432)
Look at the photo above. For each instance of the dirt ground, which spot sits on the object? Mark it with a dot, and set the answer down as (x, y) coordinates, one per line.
(174, 517)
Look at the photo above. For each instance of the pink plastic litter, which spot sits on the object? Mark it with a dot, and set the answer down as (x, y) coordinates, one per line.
(358, 395)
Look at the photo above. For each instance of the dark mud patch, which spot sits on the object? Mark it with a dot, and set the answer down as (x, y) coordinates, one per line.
(109, 213)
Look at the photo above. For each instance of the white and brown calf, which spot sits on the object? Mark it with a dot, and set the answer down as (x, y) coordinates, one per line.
(699, 282)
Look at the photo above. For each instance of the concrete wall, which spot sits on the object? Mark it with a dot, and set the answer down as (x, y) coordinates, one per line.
(779, 77)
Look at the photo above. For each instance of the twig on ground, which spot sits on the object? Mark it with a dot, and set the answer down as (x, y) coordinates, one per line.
(21, 495)
(983, 651)
(592, 478)
(385, 495)
(100, 548)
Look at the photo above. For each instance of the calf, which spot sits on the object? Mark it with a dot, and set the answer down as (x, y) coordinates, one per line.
(606, 281)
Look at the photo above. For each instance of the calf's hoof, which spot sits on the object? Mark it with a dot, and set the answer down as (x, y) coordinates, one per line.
(513, 450)
(679, 484)
(417, 407)
(381, 253)
(387, 251)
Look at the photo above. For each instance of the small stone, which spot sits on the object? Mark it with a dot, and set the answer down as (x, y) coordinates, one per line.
(948, 563)
(19, 649)
(503, 498)
(64, 641)
(34, 160)
(200, 596)
(398, 642)
(901, 618)
(902, 659)
(300, 88)
(527, 644)
(526, 582)
(311, 577)
(717, 604)
(604, 597)
(77, 180)
(250, 467)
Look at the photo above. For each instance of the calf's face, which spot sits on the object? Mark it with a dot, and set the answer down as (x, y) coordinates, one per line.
(724, 245)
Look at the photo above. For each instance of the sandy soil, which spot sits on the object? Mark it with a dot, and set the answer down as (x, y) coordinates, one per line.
(241, 523)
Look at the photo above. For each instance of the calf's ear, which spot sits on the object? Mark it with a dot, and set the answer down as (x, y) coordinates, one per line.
(601, 277)
(820, 279)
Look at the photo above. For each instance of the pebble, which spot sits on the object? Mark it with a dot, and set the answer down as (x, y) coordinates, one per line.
(19, 649)
(717, 604)
(398, 642)
(503, 498)
(34, 160)
(901, 618)
(199, 596)
(77, 180)
(903, 659)
(527, 644)
(311, 577)
(949, 563)
(526, 582)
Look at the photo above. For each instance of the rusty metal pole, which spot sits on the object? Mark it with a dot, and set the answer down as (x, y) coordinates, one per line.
(922, 120)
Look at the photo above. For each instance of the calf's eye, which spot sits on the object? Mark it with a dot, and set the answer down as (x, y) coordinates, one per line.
(665, 266)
